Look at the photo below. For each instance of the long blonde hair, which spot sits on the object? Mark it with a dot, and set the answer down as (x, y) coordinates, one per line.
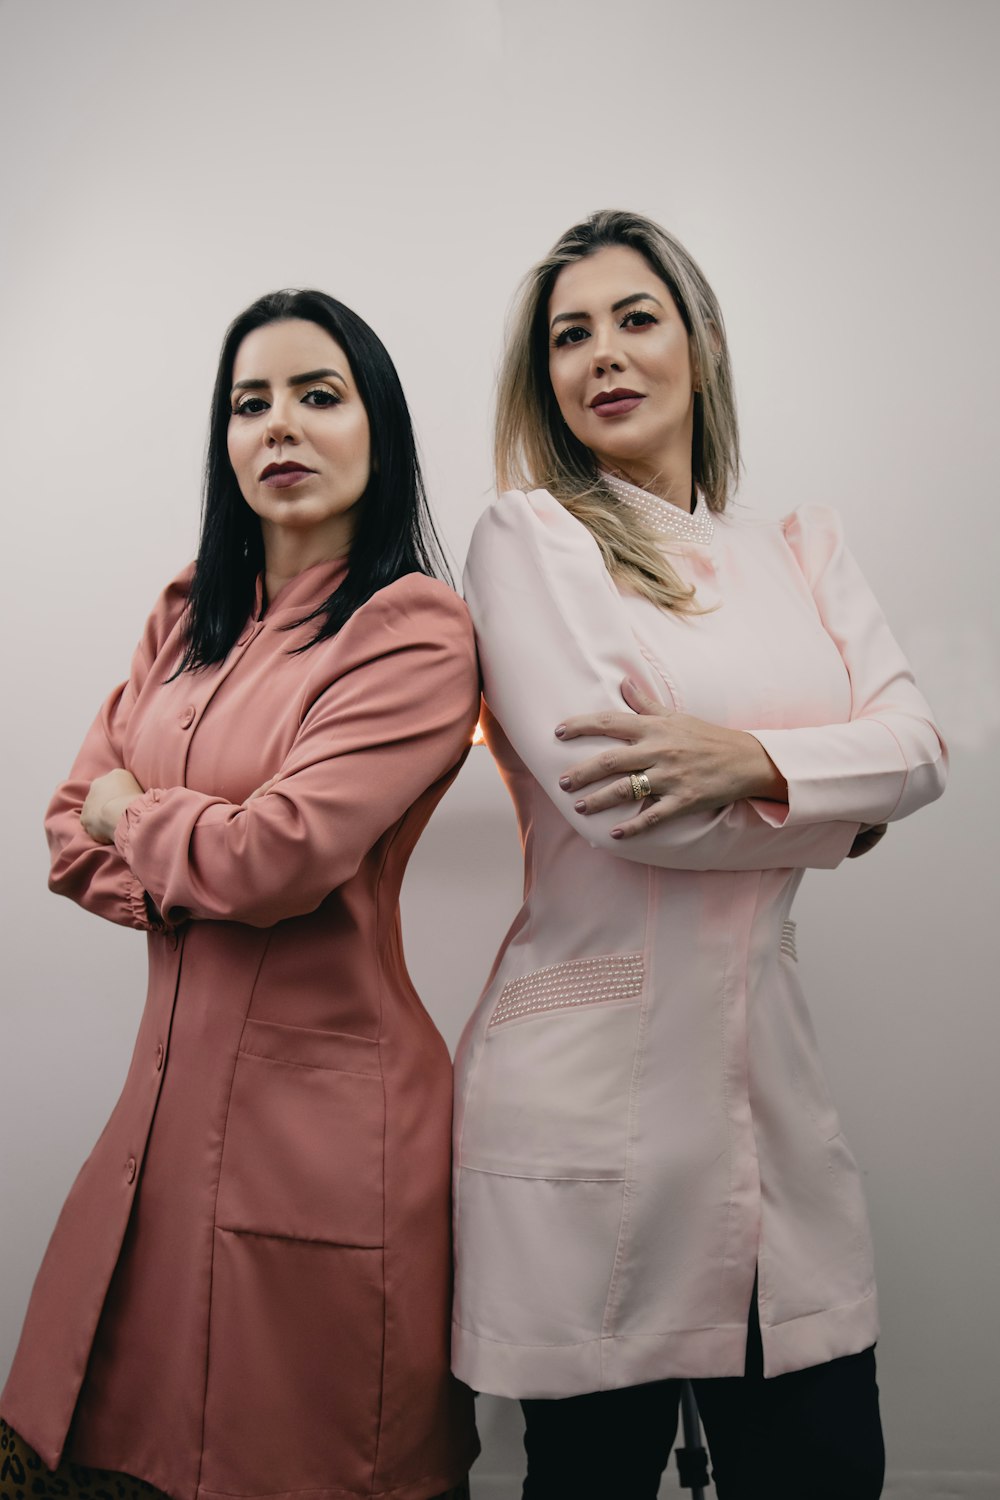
(535, 449)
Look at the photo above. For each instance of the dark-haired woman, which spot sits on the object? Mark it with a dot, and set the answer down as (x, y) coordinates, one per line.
(246, 1291)
(690, 709)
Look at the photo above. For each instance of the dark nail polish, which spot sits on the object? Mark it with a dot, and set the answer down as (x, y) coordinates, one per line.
(579, 806)
(560, 731)
(565, 783)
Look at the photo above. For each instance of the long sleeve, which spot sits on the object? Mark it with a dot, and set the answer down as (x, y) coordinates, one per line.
(397, 717)
(94, 875)
(889, 759)
(554, 641)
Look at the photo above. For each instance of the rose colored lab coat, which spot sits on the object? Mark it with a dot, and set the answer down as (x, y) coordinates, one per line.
(642, 1118)
(246, 1291)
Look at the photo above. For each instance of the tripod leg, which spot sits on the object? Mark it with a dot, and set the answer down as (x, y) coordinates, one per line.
(692, 1459)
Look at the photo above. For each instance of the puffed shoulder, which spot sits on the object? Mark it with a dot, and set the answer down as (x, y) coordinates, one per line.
(525, 510)
(413, 609)
(815, 534)
(529, 524)
(167, 611)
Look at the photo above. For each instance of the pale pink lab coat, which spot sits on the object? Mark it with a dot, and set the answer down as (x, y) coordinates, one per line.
(247, 1290)
(642, 1118)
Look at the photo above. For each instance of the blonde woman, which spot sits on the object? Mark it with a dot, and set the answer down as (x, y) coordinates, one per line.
(690, 709)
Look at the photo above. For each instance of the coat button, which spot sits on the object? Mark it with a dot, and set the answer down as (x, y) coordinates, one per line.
(130, 1169)
(187, 717)
(159, 1056)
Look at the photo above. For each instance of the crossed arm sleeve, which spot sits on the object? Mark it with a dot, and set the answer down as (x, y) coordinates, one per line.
(91, 874)
(889, 759)
(554, 641)
(397, 718)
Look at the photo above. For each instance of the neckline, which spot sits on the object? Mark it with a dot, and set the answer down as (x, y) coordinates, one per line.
(660, 515)
(303, 592)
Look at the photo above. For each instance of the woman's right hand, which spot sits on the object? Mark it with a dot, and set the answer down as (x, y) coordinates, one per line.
(866, 839)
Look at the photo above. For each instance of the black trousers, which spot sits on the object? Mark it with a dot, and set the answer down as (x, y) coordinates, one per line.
(811, 1435)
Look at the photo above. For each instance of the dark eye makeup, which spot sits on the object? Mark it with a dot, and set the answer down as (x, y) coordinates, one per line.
(637, 318)
(319, 396)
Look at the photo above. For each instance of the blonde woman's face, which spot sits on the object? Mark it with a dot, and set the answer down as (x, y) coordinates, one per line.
(620, 363)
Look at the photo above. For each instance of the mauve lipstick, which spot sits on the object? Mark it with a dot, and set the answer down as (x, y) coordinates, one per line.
(616, 403)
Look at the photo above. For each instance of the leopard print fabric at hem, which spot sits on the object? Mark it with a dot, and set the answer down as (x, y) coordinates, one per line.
(23, 1476)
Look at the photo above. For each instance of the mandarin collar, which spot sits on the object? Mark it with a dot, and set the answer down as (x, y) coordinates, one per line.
(302, 593)
(696, 528)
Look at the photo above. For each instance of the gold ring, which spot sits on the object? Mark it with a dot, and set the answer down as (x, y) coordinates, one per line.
(641, 788)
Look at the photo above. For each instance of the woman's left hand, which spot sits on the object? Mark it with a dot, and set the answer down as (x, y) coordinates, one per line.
(107, 799)
(690, 765)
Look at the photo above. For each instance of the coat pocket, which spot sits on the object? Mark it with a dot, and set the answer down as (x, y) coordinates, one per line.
(302, 1157)
(578, 981)
(552, 1085)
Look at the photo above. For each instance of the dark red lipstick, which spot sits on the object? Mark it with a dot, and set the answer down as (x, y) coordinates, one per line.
(280, 476)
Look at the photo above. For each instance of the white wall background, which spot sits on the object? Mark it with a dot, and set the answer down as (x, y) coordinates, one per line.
(832, 166)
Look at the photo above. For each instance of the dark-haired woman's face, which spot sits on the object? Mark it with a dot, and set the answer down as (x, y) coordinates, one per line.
(620, 362)
(298, 438)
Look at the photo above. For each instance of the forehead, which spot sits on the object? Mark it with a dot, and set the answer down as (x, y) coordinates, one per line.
(602, 278)
(291, 347)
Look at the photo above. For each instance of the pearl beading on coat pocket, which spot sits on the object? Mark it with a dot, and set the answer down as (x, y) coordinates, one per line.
(579, 981)
(788, 941)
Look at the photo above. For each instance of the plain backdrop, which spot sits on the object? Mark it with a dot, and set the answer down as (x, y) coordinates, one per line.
(832, 167)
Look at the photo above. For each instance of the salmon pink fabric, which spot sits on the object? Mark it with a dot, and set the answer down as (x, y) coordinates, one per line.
(247, 1289)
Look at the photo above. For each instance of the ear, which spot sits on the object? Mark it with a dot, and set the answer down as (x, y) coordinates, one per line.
(695, 365)
(715, 340)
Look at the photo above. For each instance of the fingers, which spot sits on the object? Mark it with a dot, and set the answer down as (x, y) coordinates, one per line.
(640, 702)
(615, 726)
(600, 767)
(658, 811)
(615, 795)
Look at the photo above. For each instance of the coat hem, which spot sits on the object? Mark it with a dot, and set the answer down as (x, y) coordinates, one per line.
(818, 1337)
(553, 1371)
(416, 1489)
(51, 1453)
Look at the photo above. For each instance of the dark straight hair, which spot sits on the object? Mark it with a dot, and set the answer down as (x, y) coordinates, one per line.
(395, 534)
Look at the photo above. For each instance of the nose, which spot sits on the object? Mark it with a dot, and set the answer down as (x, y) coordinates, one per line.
(606, 353)
(282, 424)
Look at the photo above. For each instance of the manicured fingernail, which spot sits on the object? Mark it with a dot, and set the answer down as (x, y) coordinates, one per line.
(560, 731)
(579, 807)
(565, 783)
(617, 833)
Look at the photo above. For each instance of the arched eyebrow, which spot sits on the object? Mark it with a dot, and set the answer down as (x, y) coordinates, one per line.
(310, 375)
(575, 317)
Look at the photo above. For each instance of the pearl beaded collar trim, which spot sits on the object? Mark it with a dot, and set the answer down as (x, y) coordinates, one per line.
(661, 516)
